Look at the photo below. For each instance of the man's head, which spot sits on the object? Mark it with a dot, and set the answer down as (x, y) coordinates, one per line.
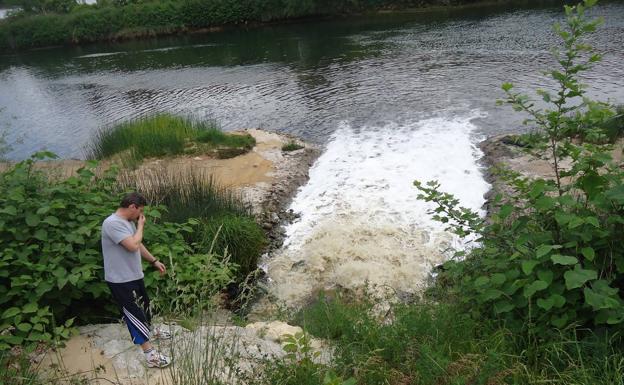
(133, 204)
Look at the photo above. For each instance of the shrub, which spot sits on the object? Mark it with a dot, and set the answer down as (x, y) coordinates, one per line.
(50, 259)
(551, 258)
(49, 246)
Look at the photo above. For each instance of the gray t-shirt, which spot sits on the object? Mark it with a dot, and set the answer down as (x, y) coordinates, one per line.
(120, 265)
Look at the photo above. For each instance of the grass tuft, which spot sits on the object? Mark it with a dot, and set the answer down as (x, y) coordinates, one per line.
(292, 146)
(237, 235)
(163, 135)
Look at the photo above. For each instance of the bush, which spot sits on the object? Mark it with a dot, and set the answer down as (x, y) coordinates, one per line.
(50, 256)
(551, 258)
(219, 210)
(51, 264)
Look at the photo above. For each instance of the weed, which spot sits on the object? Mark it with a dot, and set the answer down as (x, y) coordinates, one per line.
(292, 146)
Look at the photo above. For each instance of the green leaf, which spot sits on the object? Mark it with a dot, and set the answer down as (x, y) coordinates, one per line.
(491, 294)
(534, 288)
(575, 222)
(41, 235)
(30, 308)
(498, 278)
(481, 281)
(24, 327)
(559, 300)
(503, 307)
(13, 340)
(545, 304)
(505, 211)
(10, 210)
(52, 221)
(527, 266)
(599, 300)
(10, 312)
(32, 219)
(563, 260)
(559, 322)
(542, 250)
(588, 253)
(507, 87)
(577, 277)
(545, 275)
(593, 221)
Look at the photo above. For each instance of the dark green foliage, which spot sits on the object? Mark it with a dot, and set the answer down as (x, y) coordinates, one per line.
(239, 235)
(50, 253)
(551, 258)
(50, 250)
(118, 19)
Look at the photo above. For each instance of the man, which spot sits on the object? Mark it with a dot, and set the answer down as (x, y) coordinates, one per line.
(123, 249)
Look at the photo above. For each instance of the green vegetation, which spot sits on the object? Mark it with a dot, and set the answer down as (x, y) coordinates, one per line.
(440, 343)
(119, 19)
(164, 135)
(237, 235)
(552, 258)
(51, 262)
(291, 146)
(536, 301)
(225, 224)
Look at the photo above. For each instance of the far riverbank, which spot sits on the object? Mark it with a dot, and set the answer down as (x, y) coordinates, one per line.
(89, 23)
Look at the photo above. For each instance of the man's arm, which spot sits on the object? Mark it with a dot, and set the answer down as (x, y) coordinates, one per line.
(133, 242)
(146, 255)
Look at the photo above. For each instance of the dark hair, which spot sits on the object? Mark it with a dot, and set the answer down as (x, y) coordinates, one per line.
(133, 198)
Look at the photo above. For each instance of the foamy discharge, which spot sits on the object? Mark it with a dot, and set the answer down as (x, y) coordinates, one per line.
(361, 222)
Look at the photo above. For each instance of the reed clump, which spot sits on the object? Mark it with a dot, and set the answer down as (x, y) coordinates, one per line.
(163, 135)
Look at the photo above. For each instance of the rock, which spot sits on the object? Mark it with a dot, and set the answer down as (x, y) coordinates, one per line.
(273, 331)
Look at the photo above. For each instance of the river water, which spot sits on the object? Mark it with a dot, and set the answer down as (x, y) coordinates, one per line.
(391, 97)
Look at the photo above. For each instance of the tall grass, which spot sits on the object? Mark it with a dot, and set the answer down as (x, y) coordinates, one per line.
(426, 343)
(193, 194)
(239, 236)
(153, 136)
(162, 135)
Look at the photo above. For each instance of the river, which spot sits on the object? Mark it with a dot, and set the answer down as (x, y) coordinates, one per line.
(392, 98)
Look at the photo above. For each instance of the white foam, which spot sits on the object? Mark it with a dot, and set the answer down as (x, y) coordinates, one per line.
(361, 220)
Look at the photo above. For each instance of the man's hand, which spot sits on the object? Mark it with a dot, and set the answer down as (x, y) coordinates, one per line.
(141, 220)
(160, 267)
